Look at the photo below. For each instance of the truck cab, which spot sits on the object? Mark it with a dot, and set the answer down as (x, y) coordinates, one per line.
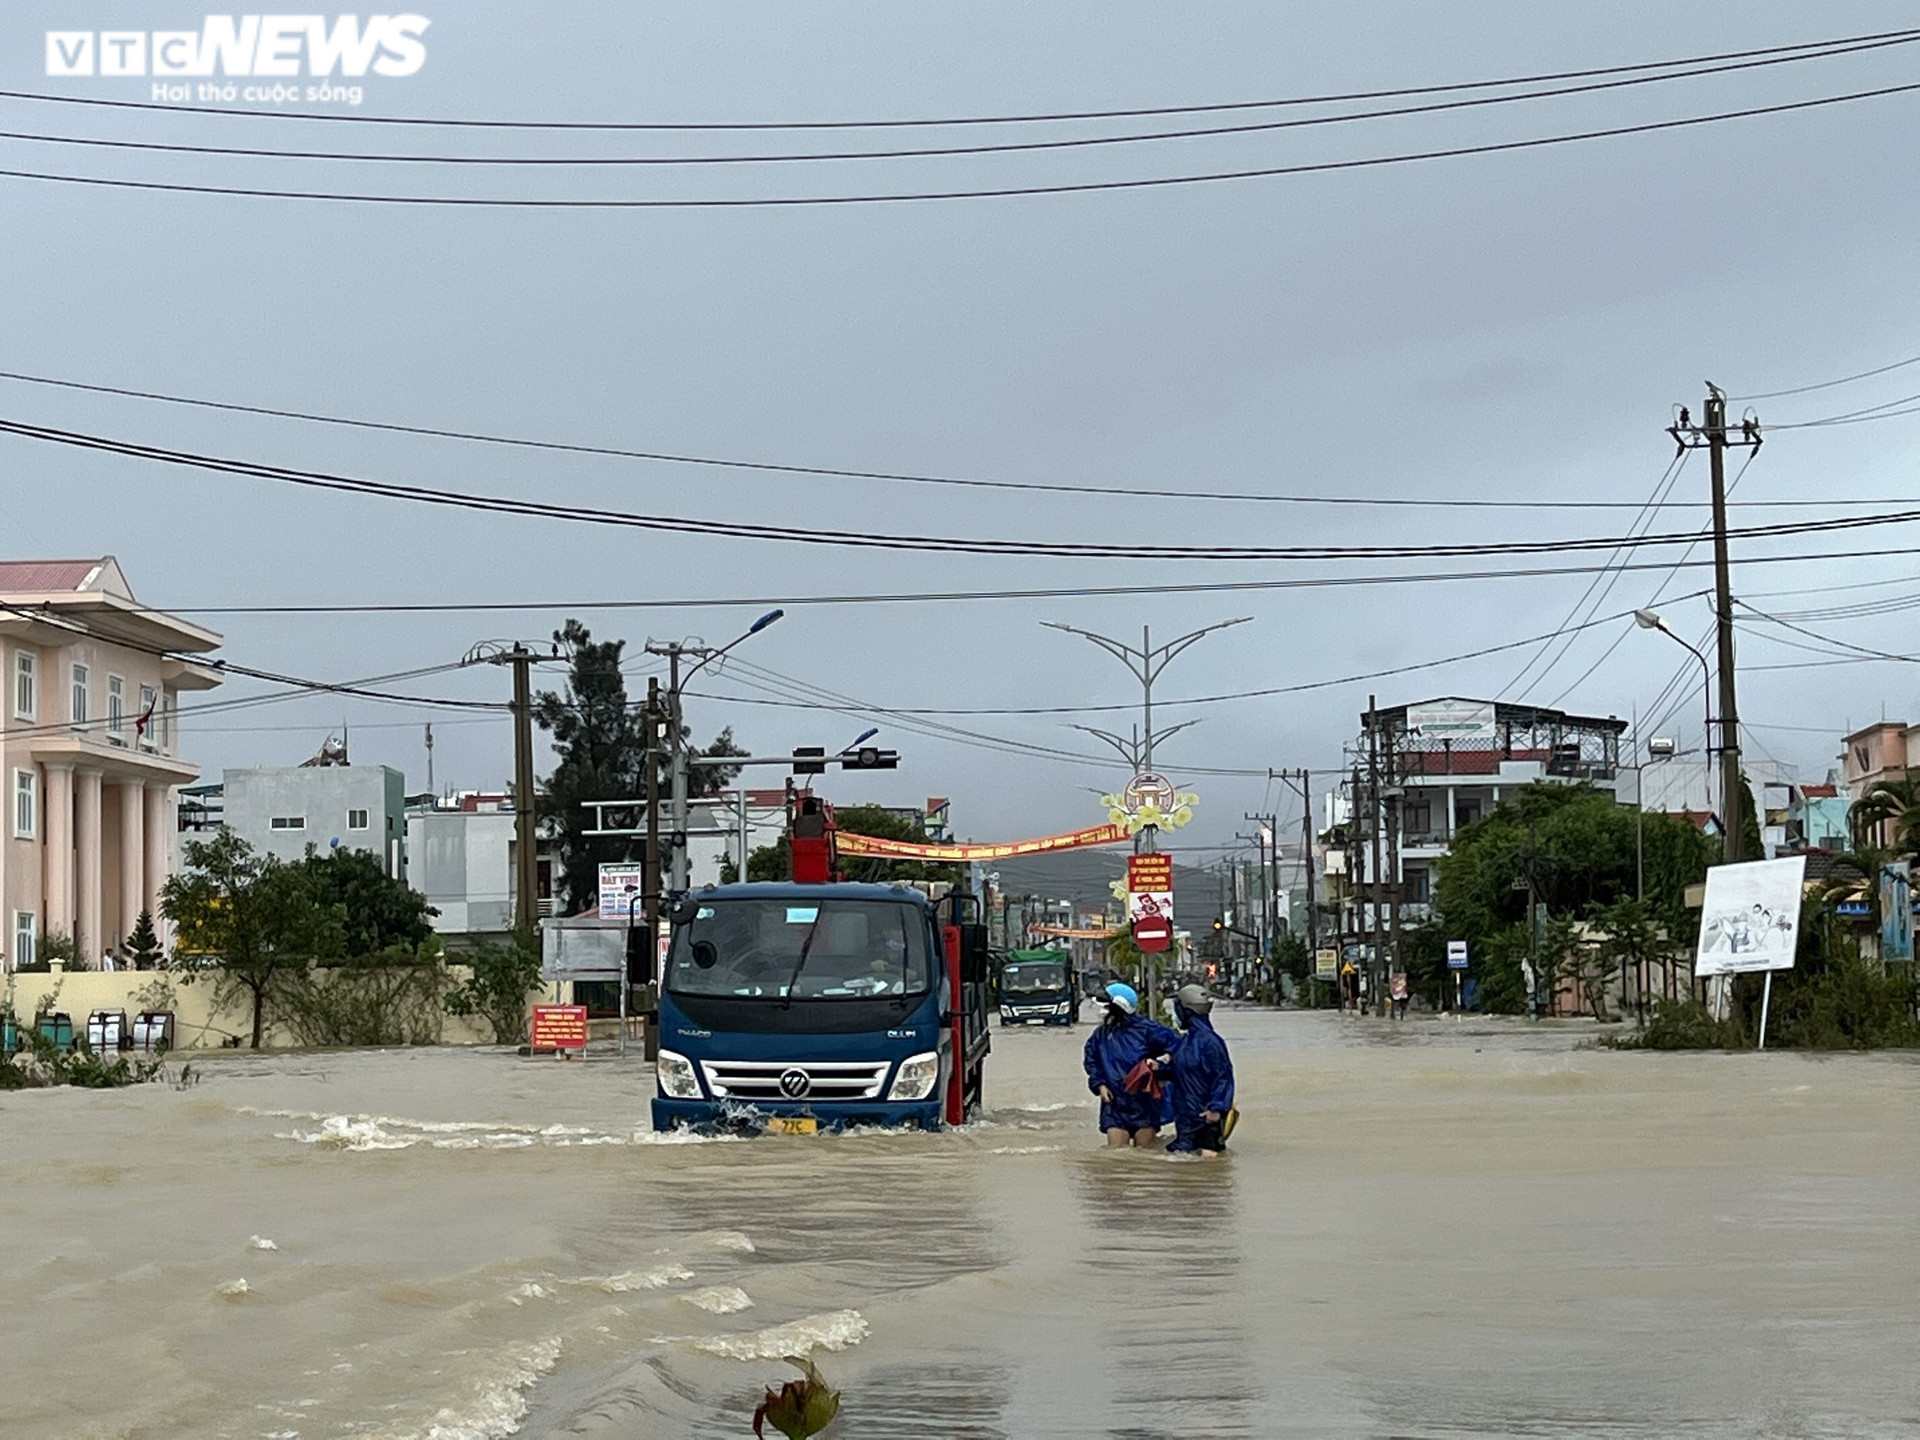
(800, 1007)
(1037, 987)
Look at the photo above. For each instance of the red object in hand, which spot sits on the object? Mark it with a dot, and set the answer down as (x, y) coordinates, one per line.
(1143, 1079)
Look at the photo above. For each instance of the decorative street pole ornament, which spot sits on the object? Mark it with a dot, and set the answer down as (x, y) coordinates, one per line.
(1149, 801)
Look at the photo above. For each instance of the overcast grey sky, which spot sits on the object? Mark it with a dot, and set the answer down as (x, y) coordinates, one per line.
(1509, 326)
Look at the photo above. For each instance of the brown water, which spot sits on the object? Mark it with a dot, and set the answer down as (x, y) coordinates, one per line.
(1426, 1230)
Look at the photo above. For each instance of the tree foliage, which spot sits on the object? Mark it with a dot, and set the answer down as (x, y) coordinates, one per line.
(247, 919)
(143, 945)
(499, 980)
(600, 741)
(258, 927)
(1575, 847)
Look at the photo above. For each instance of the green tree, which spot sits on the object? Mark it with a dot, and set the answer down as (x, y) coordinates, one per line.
(377, 912)
(1894, 804)
(143, 945)
(600, 741)
(247, 919)
(1571, 847)
(499, 980)
(1626, 937)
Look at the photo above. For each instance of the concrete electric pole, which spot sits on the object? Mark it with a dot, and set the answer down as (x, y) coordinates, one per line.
(1712, 437)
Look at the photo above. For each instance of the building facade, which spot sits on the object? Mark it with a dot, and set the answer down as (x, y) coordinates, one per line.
(89, 746)
(460, 854)
(1429, 770)
(280, 810)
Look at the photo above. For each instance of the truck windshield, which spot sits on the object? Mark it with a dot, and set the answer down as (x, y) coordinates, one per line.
(1033, 978)
(823, 950)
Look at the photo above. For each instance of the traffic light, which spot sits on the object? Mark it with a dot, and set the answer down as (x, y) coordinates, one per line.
(1218, 923)
(867, 757)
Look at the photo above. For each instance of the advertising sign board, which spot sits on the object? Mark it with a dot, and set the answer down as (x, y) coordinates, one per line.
(1150, 901)
(619, 888)
(1326, 964)
(1896, 911)
(1751, 918)
(1452, 720)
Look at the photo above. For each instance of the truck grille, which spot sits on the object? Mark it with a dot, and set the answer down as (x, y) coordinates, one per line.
(803, 1080)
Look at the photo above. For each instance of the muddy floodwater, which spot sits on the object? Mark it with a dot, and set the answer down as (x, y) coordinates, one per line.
(1429, 1229)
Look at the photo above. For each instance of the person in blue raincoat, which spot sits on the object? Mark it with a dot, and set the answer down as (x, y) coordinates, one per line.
(1122, 1040)
(1201, 1075)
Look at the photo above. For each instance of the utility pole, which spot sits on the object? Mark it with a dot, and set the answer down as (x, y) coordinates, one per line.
(1712, 436)
(654, 719)
(526, 903)
(1374, 871)
(676, 733)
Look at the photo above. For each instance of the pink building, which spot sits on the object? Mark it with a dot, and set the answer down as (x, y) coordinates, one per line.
(88, 751)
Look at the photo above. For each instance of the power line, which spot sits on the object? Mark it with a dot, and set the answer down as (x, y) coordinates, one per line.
(1295, 689)
(1829, 384)
(1080, 142)
(907, 477)
(1040, 117)
(1072, 592)
(990, 193)
(936, 544)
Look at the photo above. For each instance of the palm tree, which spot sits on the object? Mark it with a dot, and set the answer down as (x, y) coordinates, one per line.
(1888, 814)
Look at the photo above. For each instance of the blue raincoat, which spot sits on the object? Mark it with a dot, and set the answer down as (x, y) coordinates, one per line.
(1113, 1050)
(1202, 1078)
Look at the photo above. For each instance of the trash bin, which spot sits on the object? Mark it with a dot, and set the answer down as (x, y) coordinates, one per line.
(9, 1034)
(106, 1031)
(153, 1031)
(58, 1027)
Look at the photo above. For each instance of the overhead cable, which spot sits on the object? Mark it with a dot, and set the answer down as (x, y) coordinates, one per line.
(1082, 187)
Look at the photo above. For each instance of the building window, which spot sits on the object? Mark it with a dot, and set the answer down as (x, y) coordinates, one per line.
(26, 929)
(356, 820)
(148, 719)
(288, 822)
(116, 709)
(1417, 885)
(81, 679)
(26, 704)
(26, 796)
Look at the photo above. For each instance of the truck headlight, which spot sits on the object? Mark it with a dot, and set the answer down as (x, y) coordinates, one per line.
(916, 1077)
(1062, 1008)
(677, 1078)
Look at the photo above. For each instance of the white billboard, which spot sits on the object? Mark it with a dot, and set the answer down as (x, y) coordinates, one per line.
(1452, 720)
(619, 890)
(1751, 916)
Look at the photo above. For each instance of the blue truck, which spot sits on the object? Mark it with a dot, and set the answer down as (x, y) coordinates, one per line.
(794, 1007)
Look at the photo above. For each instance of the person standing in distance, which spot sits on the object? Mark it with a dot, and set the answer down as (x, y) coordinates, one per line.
(1202, 1074)
(1121, 1041)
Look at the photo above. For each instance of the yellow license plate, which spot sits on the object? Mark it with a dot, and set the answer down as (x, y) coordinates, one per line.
(792, 1125)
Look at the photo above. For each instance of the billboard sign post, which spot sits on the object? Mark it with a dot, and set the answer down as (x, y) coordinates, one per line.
(1750, 921)
(1150, 901)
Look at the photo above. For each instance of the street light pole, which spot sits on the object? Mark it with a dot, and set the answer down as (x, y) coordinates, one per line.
(1648, 620)
(678, 773)
(1146, 663)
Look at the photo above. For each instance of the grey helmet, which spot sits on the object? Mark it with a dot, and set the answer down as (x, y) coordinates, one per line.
(1195, 998)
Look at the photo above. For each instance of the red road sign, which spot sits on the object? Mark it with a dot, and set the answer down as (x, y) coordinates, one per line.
(1153, 933)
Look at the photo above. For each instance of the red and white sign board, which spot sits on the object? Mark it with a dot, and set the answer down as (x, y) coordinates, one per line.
(559, 1027)
(1150, 901)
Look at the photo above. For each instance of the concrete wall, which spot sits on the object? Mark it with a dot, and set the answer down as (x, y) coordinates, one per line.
(322, 795)
(197, 1024)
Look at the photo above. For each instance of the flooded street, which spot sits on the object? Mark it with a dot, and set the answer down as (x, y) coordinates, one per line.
(1427, 1229)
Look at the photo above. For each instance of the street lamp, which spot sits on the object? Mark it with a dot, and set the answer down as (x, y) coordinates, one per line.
(676, 741)
(1648, 620)
(1146, 662)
